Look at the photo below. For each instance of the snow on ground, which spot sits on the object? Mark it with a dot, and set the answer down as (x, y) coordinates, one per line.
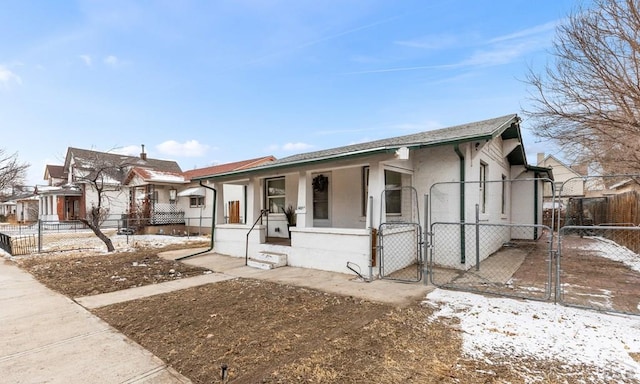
(543, 331)
(85, 241)
(614, 251)
(88, 241)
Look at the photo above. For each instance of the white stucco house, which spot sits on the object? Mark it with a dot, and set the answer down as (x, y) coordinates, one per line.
(131, 185)
(196, 198)
(343, 196)
(568, 181)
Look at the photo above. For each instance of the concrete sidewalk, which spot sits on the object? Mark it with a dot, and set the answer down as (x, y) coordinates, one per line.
(385, 291)
(46, 337)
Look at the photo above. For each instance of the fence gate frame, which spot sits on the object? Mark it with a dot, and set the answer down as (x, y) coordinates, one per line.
(472, 230)
(393, 242)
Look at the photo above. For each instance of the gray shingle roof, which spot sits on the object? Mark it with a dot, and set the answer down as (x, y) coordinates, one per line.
(84, 158)
(485, 129)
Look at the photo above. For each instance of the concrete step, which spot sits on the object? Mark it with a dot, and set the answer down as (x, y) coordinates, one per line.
(260, 264)
(275, 258)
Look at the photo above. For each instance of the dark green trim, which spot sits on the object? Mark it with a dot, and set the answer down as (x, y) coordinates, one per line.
(463, 239)
(213, 224)
(535, 207)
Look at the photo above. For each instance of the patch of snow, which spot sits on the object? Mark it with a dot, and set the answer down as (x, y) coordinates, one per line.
(542, 331)
(614, 251)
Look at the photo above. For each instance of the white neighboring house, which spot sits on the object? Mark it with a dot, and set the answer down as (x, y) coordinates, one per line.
(338, 194)
(568, 181)
(69, 194)
(196, 199)
(20, 207)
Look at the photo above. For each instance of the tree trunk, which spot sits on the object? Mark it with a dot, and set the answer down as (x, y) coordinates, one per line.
(98, 232)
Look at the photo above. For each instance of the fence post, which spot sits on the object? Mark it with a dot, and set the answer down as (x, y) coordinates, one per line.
(425, 242)
(39, 236)
(477, 237)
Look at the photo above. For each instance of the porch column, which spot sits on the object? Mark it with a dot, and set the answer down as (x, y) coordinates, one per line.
(219, 202)
(254, 193)
(376, 186)
(304, 201)
(54, 207)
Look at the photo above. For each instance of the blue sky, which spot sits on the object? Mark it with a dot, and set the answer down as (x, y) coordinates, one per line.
(208, 82)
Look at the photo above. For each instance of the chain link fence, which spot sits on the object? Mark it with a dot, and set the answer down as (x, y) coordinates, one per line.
(599, 268)
(55, 236)
(504, 259)
(490, 236)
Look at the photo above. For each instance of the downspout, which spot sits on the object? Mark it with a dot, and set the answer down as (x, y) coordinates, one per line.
(535, 206)
(213, 224)
(463, 258)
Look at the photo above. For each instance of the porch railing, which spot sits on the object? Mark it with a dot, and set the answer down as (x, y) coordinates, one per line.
(263, 212)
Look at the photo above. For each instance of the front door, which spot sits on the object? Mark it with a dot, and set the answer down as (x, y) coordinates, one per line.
(321, 185)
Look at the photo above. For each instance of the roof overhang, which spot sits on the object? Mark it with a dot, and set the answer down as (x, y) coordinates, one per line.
(509, 129)
(196, 191)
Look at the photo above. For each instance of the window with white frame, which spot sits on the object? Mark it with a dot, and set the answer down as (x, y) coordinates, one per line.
(196, 201)
(365, 189)
(275, 191)
(393, 192)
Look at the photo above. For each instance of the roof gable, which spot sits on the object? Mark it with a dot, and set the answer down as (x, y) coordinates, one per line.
(84, 159)
(54, 171)
(155, 176)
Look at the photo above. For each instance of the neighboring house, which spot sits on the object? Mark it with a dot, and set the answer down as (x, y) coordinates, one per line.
(27, 209)
(69, 192)
(338, 194)
(153, 195)
(21, 206)
(8, 208)
(569, 182)
(626, 184)
(196, 200)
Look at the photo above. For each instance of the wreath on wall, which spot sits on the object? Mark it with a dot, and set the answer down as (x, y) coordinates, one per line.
(320, 183)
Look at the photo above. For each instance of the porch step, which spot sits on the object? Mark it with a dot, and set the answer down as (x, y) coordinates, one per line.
(267, 260)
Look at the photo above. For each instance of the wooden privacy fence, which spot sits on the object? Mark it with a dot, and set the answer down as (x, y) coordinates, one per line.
(614, 210)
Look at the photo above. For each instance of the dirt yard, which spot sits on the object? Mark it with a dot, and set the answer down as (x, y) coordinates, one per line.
(78, 274)
(265, 332)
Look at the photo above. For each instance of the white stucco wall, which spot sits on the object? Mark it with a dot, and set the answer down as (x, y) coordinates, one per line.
(116, 201)
(330, 249)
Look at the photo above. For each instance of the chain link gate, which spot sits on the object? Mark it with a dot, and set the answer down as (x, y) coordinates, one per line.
(400, 236)
(494, 246)
(599, 244)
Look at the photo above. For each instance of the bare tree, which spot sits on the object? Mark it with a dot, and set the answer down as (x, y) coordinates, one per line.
(103, 175)
(12, 171)
(587, 100)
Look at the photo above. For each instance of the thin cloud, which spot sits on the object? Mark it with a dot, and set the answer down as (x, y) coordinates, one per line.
(289, 147)
(324, 39)
(112, 61)
(7, 77)
(430, 42)
(129, 150)
(545, 28)
(296, 146)
(86, 59)
(191, 148)
(497, 51)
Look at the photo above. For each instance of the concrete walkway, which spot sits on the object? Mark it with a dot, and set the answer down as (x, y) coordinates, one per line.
(47, 338)
(385, 291)
(226, 267)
